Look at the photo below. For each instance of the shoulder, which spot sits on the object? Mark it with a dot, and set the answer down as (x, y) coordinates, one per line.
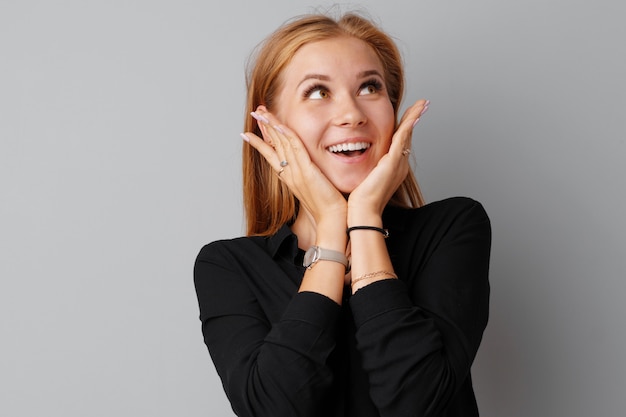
(459, 219)
(231, 249)
(221, 269)
(452, 205)
(454, 210)
(250, 248)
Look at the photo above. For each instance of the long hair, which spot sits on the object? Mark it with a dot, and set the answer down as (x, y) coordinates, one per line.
(268, 203)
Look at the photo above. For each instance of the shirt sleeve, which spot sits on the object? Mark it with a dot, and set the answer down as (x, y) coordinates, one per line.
(419, 334)
(267, 369)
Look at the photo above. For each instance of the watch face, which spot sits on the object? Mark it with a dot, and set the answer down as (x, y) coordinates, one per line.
(310, 256)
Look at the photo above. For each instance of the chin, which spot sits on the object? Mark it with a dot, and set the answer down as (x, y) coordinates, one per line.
(347, 183)
(346, 189)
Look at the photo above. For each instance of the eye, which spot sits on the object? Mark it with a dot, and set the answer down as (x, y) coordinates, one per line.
(370, 87)
(317, 92)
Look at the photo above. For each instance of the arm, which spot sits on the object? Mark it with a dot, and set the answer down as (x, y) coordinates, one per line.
(321, 204)
(419, 338)
(267, 369)
(370, 259)
(417, 341)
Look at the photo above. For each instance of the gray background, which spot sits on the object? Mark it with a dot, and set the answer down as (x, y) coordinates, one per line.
(120, 158)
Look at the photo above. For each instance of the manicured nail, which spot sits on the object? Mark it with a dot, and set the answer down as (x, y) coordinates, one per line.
(259, 117)
(244, 137)
(279, 129)
(416, 121)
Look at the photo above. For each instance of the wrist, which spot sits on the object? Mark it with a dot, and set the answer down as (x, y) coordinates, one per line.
(332, 235)
(369, 278)
(373, 220)
(363, 215)
(384, 232)
(317, 253)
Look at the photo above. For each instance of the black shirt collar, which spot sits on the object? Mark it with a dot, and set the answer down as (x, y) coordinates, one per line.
(283, 242)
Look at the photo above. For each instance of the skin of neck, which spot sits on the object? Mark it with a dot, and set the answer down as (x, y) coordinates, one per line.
(304, 228)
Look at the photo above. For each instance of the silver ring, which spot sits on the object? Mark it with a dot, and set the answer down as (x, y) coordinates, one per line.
(284, 163)
(406, 151)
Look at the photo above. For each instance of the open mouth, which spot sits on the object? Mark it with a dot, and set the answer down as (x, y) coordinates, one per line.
(349, 149)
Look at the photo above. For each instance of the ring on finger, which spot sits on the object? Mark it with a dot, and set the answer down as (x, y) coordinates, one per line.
(280, 171)
(284, 163)
(406, 151)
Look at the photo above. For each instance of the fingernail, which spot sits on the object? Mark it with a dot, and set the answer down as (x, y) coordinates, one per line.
(424, 110)
(259, 117)
(244, 137)
(279, 129)
(416, 120)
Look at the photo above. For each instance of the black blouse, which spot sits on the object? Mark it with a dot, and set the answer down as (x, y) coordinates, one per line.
(398, 347)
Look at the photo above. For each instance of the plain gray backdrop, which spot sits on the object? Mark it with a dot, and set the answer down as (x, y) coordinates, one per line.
(120, 158)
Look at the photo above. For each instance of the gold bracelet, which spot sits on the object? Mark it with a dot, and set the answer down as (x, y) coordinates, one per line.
(372, 275)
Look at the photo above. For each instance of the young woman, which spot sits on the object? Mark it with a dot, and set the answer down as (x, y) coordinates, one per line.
(348, 296)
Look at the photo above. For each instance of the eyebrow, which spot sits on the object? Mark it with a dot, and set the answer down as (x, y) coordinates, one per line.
(364, 74)
(323, 77)
(320, 77)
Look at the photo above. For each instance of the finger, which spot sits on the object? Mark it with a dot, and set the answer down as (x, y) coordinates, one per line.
(269, 127)
(275, 146)
(272, 136)
(288, 144)
(262, 123)
(263, 148)
(414, 112)
(402, 139)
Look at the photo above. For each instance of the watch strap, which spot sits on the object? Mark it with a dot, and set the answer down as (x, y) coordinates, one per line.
(332, 255)
(322, 254)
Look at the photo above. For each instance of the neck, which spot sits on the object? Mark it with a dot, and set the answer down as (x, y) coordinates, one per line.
(304, 228)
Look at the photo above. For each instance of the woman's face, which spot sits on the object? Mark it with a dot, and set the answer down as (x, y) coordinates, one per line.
(333, 96)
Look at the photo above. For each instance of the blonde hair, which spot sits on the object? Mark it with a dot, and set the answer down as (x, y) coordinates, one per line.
(268, 203)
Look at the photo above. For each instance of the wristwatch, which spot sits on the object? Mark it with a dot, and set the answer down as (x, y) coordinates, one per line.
(315, 253)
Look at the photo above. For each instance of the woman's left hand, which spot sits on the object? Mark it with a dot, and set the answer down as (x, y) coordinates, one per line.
(373, 194)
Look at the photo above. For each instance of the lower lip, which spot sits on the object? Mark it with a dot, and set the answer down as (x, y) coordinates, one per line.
(351, 159)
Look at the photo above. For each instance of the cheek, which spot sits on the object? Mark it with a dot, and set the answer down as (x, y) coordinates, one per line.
(308, 128)
(387, 124)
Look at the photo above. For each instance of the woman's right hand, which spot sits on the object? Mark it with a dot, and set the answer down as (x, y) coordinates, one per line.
(325, 207)
(315, 192)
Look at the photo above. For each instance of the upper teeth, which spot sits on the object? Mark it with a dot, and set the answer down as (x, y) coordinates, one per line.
(344, 147)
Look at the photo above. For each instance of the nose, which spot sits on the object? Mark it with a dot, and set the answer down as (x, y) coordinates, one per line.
(349, 112)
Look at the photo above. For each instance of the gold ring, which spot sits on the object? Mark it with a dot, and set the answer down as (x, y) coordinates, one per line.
(406, 151)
